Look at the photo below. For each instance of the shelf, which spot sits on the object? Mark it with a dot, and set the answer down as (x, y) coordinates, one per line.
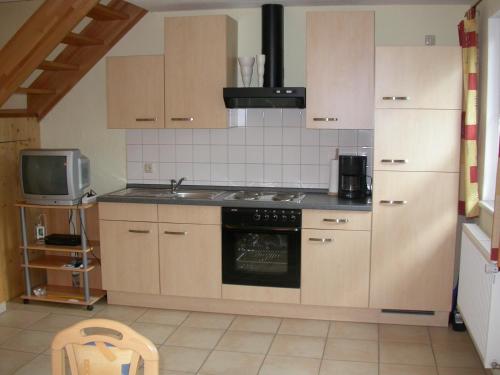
(60, 207)
(67, 294)
(65, 249)
(55, 262)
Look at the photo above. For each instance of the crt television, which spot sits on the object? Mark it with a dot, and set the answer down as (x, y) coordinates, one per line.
(53, 176)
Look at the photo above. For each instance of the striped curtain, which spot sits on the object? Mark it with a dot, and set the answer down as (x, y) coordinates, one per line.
(495, 238)
(469, 197)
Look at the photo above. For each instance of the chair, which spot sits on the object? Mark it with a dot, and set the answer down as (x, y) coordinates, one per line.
(103, 347)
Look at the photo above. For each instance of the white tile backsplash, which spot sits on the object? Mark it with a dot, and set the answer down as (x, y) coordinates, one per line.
(268, 147)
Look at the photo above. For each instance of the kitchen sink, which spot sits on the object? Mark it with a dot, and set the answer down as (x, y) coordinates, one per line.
(197, 194)
(167, 194)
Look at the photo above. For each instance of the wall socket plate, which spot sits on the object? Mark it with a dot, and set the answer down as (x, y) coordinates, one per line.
(430, 40)
(148, 167)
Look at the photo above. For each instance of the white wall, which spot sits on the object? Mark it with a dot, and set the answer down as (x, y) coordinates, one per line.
(79, 120)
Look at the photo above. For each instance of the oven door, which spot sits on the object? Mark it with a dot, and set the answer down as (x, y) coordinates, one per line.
(261, 256)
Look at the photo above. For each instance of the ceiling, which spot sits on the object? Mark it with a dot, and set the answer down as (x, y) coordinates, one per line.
(169, 5)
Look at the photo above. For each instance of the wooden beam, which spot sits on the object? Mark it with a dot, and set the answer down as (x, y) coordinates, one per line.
(29, 90)
(56, 66)
(74, 39)
(104, 13)
(16, 113)
(36, 39)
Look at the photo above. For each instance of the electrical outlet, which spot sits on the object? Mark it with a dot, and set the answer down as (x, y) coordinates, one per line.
(148, 167)
(430, 40)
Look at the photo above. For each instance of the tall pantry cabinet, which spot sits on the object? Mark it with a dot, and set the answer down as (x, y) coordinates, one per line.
(416, 167)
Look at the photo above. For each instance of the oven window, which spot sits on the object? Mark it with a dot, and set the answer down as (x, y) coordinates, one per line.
(261, 253)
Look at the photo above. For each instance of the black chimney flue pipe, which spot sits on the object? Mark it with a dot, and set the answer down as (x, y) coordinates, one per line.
(272, 44)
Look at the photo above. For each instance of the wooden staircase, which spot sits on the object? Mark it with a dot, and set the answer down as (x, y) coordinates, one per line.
(51, 25)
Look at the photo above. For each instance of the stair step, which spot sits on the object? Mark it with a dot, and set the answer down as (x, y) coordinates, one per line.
(81, 40)
(16, 113)
(56, 66)
(104, 13)
(29, 90)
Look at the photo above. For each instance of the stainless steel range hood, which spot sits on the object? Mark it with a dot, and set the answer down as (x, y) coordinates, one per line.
(273, 94)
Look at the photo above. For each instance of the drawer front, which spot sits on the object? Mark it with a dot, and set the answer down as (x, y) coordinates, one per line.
(417, 140)
(335, 268)
(128, 211)
(168, 213)
(332, 219)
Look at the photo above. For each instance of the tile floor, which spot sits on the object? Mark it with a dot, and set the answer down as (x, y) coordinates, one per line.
(213, 344)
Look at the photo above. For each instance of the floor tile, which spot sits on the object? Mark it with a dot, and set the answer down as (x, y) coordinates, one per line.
(29, 341)
(460, 371)
(406, 353)
(356, 331)
(124, 314)
(247, 342)
(169, 317)
(55, 322)
(157, 333)
(388, 369)
(11, 361)
(20, 318)
(262, 324)
(304, 327)
(201, 338)
(348, 368)
(447, 334)
(231, 363)
(41, 365)
(7, 332)
(401, 333)
(182, 359)
(352, 350)
(56, 308)
(297, 346)
(458, 354)
(277, 365)
(208, 320)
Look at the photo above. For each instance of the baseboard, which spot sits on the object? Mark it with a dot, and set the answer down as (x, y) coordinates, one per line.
(3, 307)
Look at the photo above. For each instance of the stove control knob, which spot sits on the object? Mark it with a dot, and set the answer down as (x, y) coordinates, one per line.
(293, 218)
(284, 218)
(266, 217)
(256, 217)
(275, 217)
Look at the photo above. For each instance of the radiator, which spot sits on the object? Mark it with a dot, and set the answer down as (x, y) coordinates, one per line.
(479, 294)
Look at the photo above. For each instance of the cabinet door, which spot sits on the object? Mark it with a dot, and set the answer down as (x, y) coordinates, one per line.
(129, 256)
(413, 241)
(335, 268)
(418, 77)
(200, 60)
(340, 60)
(190, 260)
(417, 140)
(135, 91)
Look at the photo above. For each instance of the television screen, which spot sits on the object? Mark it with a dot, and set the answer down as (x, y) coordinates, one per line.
(44, 175)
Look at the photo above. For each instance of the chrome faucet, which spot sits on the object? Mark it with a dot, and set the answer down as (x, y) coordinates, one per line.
(174, 185)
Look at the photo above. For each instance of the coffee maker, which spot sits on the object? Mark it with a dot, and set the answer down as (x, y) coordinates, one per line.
(352, 177)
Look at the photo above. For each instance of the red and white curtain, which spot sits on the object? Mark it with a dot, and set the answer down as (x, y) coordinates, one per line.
(495, 238)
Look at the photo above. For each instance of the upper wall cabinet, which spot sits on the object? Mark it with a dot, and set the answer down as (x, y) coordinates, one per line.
(340, 69)
(135, 92)
(417, 81)
(200, 60)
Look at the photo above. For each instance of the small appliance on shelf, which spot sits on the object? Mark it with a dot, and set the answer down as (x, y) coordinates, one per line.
(353, 181)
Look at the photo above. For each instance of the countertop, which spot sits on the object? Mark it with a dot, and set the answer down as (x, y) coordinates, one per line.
(314, 198)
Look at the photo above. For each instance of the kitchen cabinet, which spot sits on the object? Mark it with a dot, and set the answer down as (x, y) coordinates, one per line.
(135, 92)
(418, 77)
(335, 219)
(340, 70)
(200, 60)
(413, 243)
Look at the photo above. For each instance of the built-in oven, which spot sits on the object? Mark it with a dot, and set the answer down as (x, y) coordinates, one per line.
(261, 247)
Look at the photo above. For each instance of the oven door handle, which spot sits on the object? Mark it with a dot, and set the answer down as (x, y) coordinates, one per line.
(273, 229)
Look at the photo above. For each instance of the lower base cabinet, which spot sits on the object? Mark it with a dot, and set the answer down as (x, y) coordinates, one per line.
(190, 260)
(335, 268)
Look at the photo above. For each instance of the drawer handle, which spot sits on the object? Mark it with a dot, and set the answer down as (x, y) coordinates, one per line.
(322, 240)
(336, 221)
(327, 119)
(176, 233)
(141, 231)
(394, 98)
(393, 203)
(182, 119)
(143, 119)
(394, 161)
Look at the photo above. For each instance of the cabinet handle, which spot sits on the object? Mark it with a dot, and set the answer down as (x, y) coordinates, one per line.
(394, 98)
(143, 119)
(393, 203)
(322, 240)
(176, 233)
(336, 221)
(394, 161)
(327, 119)
(182, 118)
(141, 231)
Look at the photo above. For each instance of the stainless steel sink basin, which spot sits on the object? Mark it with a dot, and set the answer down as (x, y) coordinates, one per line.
(167, 194)
(197, 194)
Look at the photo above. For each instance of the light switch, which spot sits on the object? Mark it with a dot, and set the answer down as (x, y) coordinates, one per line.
(148, 167)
